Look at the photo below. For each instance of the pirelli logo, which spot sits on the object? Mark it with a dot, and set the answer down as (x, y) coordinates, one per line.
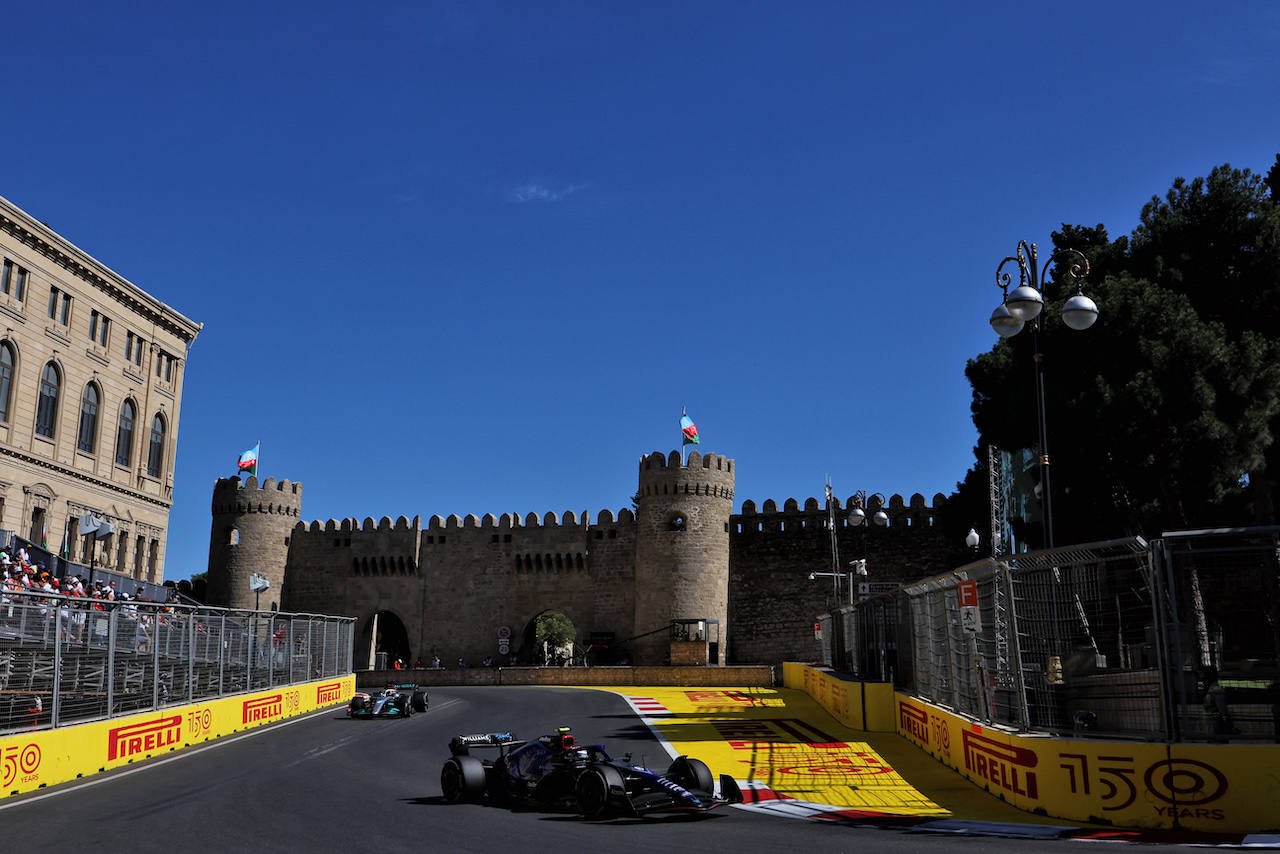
(140, 739)
(914, 722)
(263, 708)
(1003, 764)
(329, 692)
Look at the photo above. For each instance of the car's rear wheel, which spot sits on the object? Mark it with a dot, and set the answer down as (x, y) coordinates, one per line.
(593, 791)
(418, 702)
(462, 779)
(692, 774)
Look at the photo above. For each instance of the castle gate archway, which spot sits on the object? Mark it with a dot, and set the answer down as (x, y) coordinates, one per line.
(392, 640)
(563, 638)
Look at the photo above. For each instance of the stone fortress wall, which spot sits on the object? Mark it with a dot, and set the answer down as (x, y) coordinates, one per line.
(682, 554)
(772, 552)
(250, 534)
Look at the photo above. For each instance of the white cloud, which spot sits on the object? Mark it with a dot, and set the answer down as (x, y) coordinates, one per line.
(534, 192)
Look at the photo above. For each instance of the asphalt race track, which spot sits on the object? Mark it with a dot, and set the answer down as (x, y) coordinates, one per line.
(326, 783)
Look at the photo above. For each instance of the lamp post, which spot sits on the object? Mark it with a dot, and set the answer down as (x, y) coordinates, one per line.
(857, 517)
(1023, 306)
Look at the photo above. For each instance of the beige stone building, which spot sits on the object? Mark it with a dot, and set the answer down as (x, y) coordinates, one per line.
(91, 371)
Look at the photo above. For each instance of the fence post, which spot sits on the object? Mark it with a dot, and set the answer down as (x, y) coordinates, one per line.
(222, 654)
(271, 651)
(1019, 678)
(110, 676)
(1168, 641)
(55, 703)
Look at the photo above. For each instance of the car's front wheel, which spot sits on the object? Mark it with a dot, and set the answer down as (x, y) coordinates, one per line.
(418, 702)
(462, 779)
(593, 790)
(691, 773)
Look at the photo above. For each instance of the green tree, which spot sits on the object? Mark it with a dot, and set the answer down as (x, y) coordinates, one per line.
(554, 628)
(1163, 414)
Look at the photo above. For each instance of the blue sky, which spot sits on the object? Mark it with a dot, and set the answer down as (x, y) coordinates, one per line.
(474, 257)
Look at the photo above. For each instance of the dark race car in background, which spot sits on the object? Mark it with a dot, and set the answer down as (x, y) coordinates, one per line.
(391, 703)
(553, 771)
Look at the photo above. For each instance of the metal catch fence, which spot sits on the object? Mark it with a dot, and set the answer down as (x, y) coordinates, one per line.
(1121, 638)
(65, 661)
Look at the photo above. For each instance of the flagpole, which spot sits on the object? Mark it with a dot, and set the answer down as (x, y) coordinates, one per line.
(684, 410)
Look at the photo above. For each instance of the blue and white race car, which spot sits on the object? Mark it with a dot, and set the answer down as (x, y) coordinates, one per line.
(554, 771)
(391, 703)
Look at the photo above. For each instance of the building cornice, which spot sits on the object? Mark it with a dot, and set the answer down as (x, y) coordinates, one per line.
(40, 462)
(62, 252)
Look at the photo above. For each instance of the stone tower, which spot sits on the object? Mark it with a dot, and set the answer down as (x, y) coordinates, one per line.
(251, 529)
(682, 549)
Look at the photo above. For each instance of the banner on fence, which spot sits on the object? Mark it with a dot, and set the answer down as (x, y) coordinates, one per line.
(32, 760)
(1198, 787)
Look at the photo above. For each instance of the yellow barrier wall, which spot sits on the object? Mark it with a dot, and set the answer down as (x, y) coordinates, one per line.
(1204, 787)
(1230, 788)
(867, 706)
(36, 759)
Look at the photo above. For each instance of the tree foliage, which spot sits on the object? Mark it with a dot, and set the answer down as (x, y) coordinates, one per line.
(554, 628)
(1163, 414)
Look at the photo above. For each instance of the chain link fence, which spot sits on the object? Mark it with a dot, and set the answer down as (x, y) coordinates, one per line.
(1123, 638)
(67, 660)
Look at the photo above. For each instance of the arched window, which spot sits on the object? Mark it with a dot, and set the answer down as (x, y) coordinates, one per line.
(124, 435)
(47, 408)
(6, 378)
(88, 419)
(155, 457)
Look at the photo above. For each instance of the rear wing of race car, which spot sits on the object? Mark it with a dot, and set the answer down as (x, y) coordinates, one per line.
(461, 745)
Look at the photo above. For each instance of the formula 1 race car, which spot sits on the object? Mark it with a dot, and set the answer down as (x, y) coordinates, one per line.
(391, 703)
(553, 771)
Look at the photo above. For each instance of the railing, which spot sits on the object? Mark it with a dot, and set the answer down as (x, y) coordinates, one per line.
(1104, 639)
(66, 660)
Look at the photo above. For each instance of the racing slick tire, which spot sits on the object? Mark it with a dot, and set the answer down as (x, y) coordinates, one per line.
(692, 774)
(418, 702)
(402, 703)
(594, 788)
(462, 779)
(356, 705)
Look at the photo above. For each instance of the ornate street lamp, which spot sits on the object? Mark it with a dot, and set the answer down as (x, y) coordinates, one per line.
(1023, 306)
(857, 516)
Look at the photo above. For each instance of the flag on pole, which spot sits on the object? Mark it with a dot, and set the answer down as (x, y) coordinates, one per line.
(44, 537)
(249, 460)
(688, 428)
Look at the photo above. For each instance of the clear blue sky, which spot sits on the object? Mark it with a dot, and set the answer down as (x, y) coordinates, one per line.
(474, 257)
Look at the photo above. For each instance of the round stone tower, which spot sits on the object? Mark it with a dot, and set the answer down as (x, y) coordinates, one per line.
(682, 555)
(251, 528)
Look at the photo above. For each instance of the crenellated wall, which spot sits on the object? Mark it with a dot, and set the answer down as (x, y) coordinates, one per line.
(682, 554)
(772, 552)
(250, 534)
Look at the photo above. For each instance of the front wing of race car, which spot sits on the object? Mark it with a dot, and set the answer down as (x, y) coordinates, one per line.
(644, 792)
